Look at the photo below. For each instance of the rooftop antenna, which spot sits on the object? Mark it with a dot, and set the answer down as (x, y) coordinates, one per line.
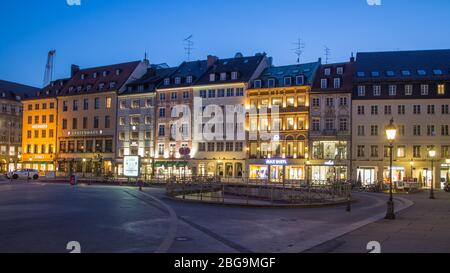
(327, 54)
(188, 46)
(300, 46)
(48, 76)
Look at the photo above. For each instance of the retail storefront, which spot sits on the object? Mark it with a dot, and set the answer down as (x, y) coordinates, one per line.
(329, 173)
(277, 170)
(398, 174)
(367, 175)
(219, 168)
(172, 168)
(43, 163)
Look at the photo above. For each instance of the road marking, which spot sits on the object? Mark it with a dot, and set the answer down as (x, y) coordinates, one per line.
(210, 233)
(173, 226)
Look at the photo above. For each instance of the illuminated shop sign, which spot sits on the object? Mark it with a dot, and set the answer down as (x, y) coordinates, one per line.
(40, 126)
(276, 162)
(131, 166)
(85, 133)
(329, 163)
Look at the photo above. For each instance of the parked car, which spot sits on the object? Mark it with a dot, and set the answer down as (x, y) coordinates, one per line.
(24, 173)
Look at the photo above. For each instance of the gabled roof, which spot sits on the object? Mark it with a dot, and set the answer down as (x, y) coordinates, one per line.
(16, 91)
(278, 73)
(244, 66)
(194, 69)
(403, 65)
(346, 79)
(149, 81)
(83, 81)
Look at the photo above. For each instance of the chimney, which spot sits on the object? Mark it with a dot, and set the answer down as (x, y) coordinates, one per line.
(320, 61)
(74, 69)
(270, 61)
(212, 60)
(352, 58)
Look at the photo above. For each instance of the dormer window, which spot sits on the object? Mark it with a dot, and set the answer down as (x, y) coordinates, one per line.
(89, 87)
(234, 75)
(105, 73)
(212, 77)
(392, 90)
(223, 76)
(360, 74)
(422, 72)
(112, 85)
(178, 80)
(340, 70)
(406, 72)
(270, 83)
(337, 83)
(327, 72)
(257, 84)
(361, 91)
(166, 81)
(79, 88)
(287, 81)
(390, 73)
(61, 84)
(375, 74)
(95, 75)
(71, 89)
(118, 71)
(300, 80)
(189, 79)
(323, 83)
(437, 72)
(83, 76)
(101, 86)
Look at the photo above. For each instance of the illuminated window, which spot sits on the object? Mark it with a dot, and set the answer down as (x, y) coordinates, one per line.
(290, 101)
(401, 152)
(277, 101)
(108, 103)
(441, 89)
(290, 123)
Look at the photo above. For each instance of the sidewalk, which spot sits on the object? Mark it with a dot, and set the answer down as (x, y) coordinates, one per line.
(422, 228)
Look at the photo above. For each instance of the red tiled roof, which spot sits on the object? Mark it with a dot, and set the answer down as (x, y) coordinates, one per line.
(83, 81)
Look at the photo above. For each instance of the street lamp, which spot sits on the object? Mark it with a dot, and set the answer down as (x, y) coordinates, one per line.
(308, 163)
(411, 163)
(84, 167)
(432, 154)
(391, 133)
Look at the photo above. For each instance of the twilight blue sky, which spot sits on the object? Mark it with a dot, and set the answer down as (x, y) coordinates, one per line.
(101, 32)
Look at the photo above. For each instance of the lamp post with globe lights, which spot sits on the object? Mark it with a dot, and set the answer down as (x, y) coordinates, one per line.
(391, 134)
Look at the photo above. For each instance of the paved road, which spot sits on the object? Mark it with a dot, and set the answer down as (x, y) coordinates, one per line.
(425, 227)
(45, 217)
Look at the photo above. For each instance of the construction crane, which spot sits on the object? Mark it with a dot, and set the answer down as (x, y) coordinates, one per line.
(48, 76)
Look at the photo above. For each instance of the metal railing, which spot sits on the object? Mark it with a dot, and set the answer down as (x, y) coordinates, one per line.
(259, 192)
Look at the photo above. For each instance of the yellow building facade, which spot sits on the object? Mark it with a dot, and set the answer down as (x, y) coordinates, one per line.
(39, 133)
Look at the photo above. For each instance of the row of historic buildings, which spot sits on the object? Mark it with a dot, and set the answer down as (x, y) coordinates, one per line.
(244, 117)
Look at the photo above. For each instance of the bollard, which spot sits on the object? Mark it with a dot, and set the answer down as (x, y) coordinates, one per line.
(140, 185)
